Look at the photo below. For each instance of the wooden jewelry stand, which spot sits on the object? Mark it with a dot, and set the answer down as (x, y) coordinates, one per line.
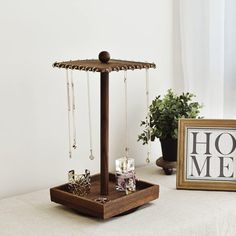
(103, 184)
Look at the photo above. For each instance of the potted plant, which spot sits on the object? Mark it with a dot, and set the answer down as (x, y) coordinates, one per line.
(164, 114)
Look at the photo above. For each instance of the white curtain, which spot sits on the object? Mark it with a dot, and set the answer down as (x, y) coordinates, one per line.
(205, 53)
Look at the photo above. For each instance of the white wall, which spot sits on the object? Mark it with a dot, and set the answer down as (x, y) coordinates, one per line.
(33, 120)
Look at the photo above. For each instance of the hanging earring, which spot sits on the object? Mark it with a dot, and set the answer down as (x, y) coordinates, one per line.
(126, 115)
(91, 156)
(148, 118)
(69, 112)
(73, 110)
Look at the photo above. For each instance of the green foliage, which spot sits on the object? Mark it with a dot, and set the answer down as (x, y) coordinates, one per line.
(165, 113)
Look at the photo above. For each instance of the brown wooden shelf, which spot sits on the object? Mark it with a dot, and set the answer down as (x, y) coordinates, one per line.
(118, 202)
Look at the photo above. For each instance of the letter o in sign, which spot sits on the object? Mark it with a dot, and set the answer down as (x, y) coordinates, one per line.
(233, 143)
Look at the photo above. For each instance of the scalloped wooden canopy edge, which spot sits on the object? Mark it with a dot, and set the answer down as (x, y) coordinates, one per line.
(97, 66)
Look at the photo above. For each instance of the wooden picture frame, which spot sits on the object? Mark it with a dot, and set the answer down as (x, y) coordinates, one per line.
(206, 154)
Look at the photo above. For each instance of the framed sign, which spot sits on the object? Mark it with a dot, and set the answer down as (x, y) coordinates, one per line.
(206, 154)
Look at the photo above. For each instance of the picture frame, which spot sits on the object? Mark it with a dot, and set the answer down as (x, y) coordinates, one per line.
(206, 154)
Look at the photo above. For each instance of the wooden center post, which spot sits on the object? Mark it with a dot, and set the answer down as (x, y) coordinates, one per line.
(104, 57)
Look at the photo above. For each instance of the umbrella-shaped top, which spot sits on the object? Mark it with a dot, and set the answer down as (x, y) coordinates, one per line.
(104, 64)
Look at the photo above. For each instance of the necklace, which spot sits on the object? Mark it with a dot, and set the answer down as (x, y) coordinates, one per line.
(91, 156)
(69, 112)
(126, 115)
(148, 118)
(73, 111)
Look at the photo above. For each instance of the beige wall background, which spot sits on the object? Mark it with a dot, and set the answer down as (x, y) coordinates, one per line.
(33, 120)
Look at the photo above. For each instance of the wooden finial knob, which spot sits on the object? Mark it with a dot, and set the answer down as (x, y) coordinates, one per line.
(104, 57)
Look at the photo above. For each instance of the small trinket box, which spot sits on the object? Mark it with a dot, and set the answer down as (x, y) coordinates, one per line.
(125, 175)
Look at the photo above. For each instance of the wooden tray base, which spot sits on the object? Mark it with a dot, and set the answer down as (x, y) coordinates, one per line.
(118, 204)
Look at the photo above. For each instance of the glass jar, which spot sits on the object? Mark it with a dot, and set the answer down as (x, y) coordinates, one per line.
(125, 175)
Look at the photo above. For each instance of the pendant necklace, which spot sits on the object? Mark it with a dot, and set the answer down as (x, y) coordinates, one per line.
(69, 112)
(126, 115)
(91, 156)
(73, 110)
(148, 119)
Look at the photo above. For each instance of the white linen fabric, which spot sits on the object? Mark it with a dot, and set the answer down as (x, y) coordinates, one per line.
(207, 54)
(175, 213)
